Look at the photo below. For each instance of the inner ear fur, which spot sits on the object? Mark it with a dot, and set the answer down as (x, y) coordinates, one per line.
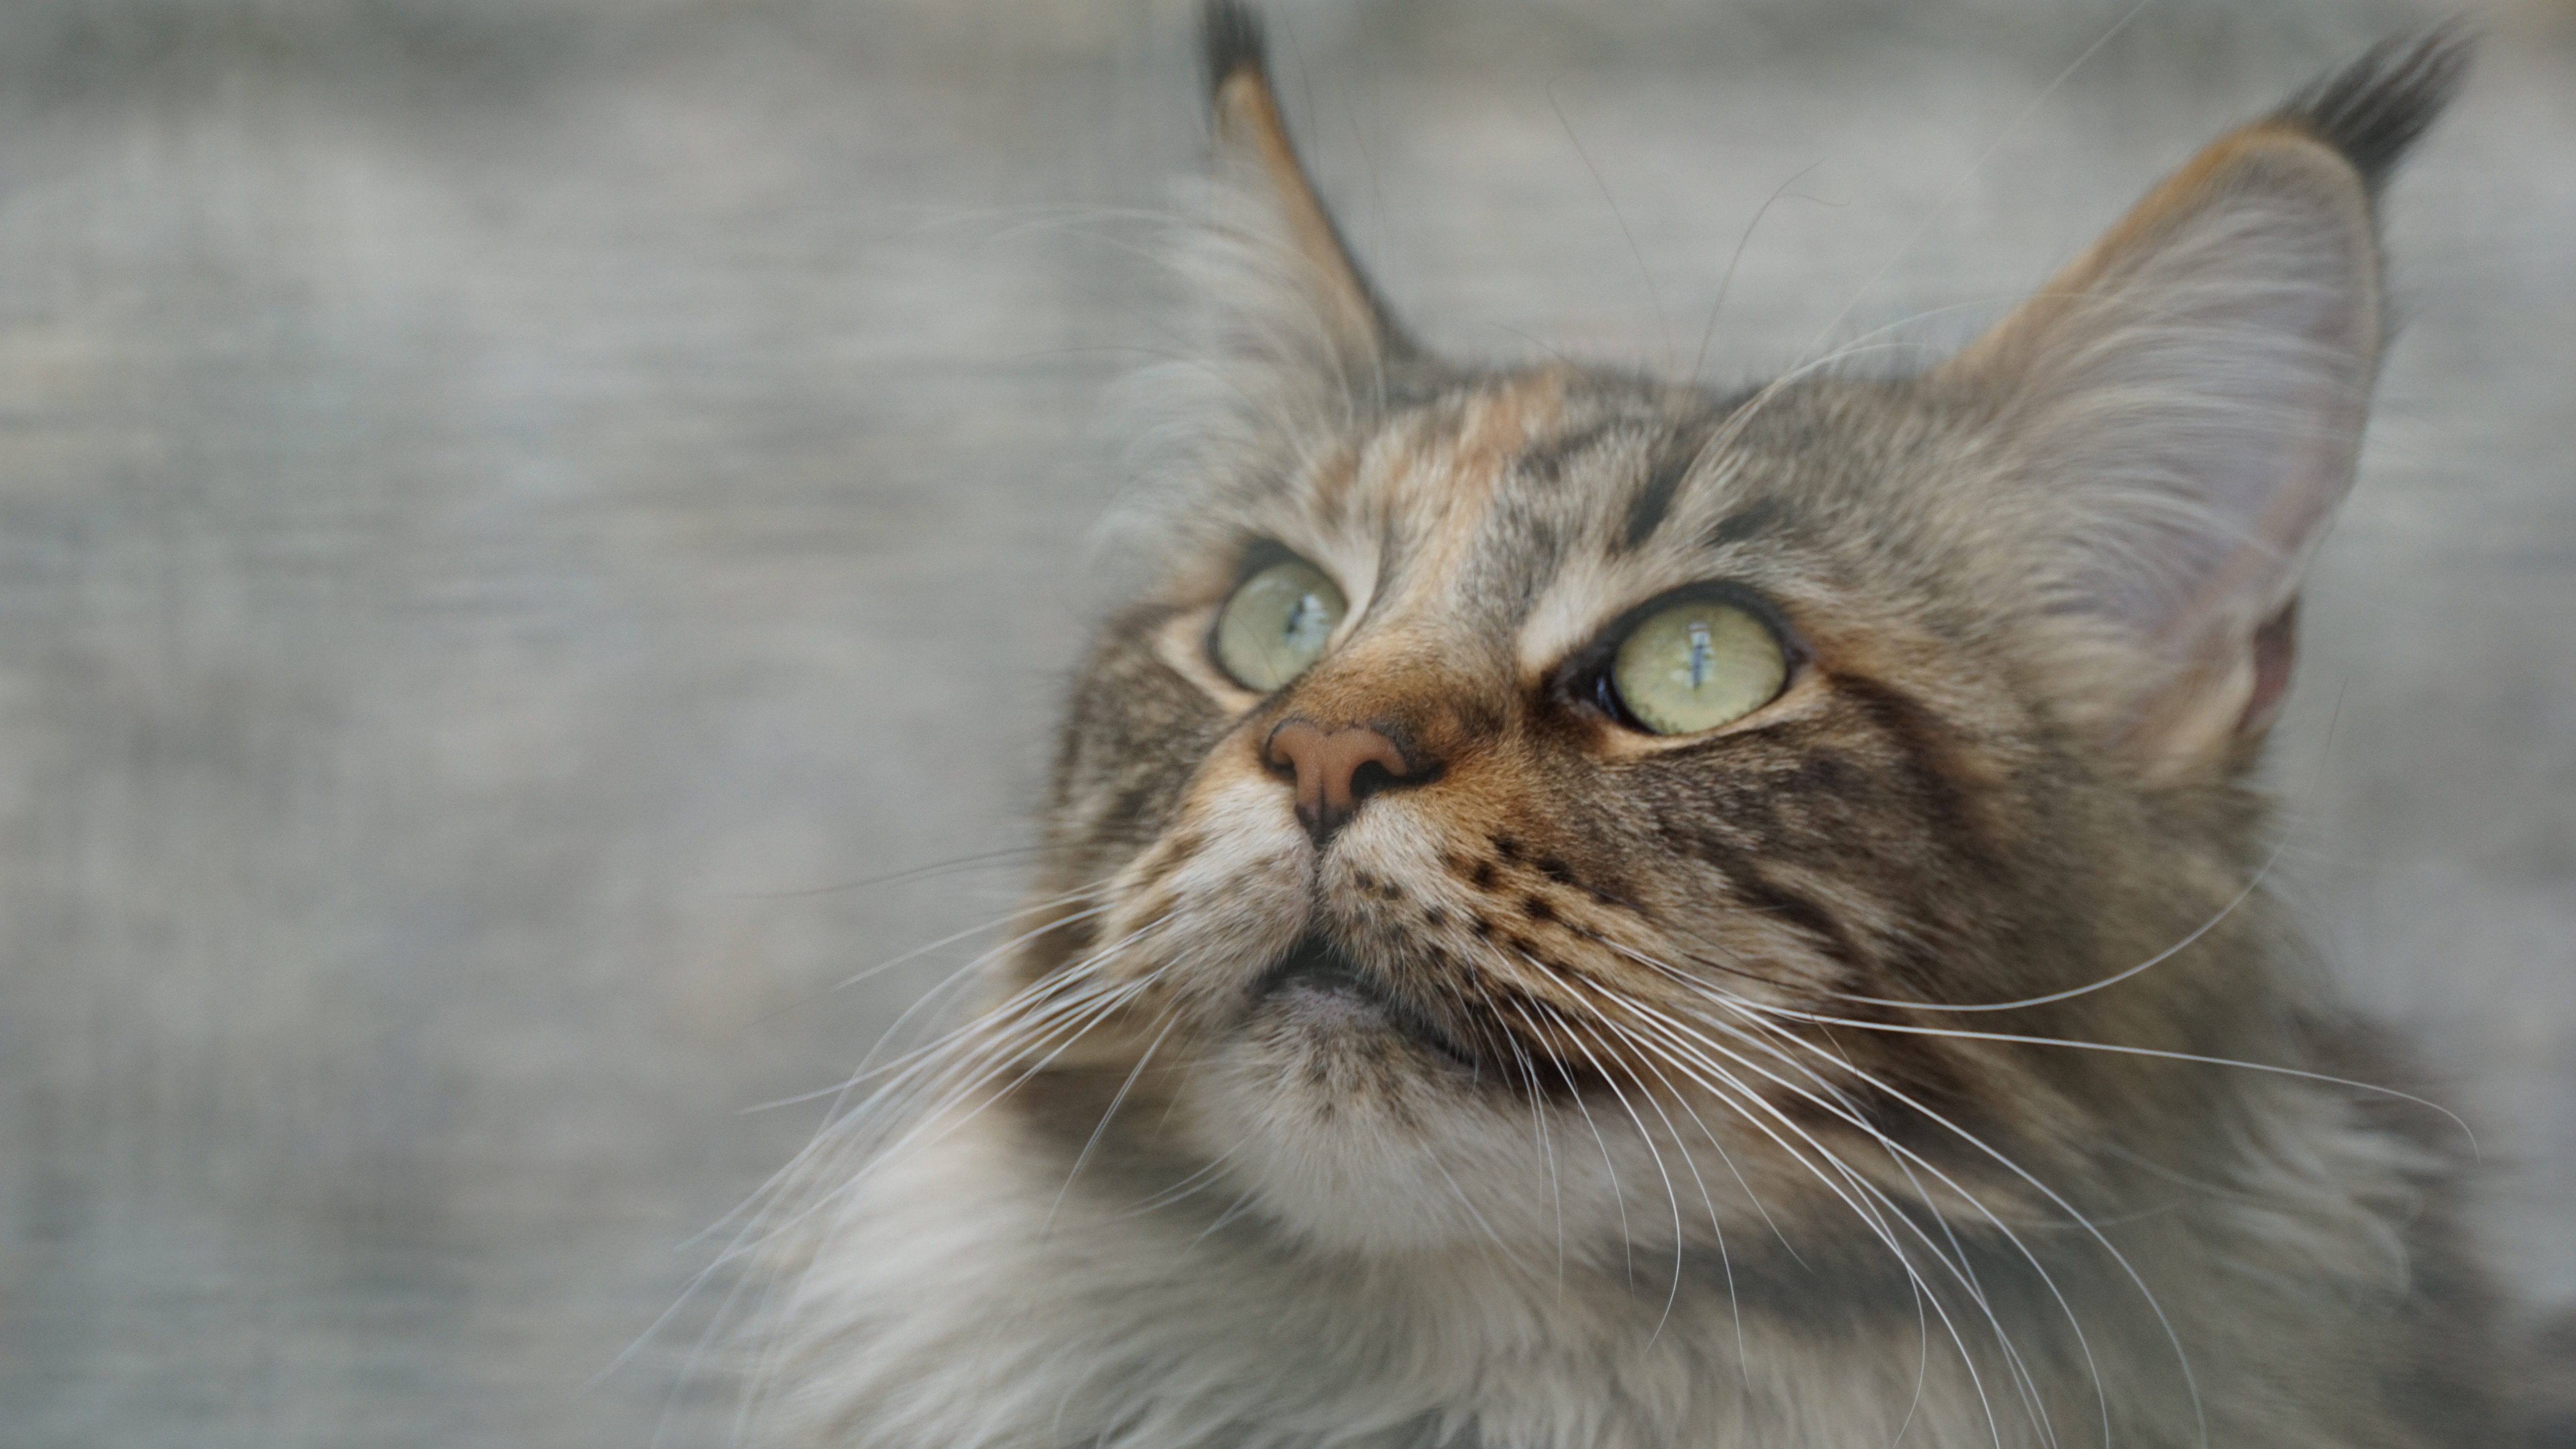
(2181, 409)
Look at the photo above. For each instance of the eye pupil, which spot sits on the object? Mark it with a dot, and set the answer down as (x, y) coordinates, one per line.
(1698, 653)
(1301, 618)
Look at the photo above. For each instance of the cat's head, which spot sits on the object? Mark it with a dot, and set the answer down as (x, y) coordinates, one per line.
(1552, 805)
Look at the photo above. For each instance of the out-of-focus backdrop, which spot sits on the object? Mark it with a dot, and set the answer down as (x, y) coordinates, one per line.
(509, 507)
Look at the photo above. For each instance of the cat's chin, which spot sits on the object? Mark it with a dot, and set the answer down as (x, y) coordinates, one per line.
(1357, 1125)
(1330, 1008)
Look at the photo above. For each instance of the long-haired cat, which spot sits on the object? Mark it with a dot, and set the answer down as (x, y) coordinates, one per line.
(1585, 912)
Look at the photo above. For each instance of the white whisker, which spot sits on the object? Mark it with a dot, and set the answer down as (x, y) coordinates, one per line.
(1116, 1101)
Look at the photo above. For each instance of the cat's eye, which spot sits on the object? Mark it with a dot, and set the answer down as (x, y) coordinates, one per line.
(1276, 624)
(1696, 665)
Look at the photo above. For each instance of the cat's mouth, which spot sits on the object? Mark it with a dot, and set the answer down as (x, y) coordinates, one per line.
(1323, 985)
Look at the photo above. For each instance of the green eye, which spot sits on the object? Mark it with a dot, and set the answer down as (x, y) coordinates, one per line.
(1277, 623)
(1697, 665)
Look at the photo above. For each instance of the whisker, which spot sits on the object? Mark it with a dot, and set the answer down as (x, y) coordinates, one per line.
(1020, 911)
(918, 952)
(1716, 1226)
(1960, 1266)
(1618, 1197)
(1904, 1158)
(2076, 1217)
(1187, 1187)
(1538, 1121)
(2289, 833)
(1671, 1195)
(1039, 1020)
(1733, 1089)
(1459, 1191)
(1726, 279)
(1094, 1011)
(1005, 856)
(1052, 982)
(1876, 1212)
(1662, 323)
(1223, 1218)
(895, 1028)
(1957, 188)
(2167, 954)
(2156, 1052)
(758, 1219)
(1119, 1099)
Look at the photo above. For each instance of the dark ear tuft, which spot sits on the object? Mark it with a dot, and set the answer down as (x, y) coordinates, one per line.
(1280, 213)
(1230, 40)
(2375, 108)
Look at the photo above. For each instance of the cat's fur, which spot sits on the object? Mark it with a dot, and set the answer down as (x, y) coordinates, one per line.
(1917, 1059)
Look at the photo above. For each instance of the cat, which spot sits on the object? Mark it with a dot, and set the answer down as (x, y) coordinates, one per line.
(1586, 912)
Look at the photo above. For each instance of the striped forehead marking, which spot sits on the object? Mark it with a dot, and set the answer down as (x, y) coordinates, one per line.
(1440, 477)
(1492, 525)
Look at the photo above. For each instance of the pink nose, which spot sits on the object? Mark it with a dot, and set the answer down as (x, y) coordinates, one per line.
(1335, 770)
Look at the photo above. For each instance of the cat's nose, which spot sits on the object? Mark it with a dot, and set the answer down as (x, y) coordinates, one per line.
(1336, 769)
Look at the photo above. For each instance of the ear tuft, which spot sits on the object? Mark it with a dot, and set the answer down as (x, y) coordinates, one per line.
(1296, 292)
(1230, 41)
(2376, 108)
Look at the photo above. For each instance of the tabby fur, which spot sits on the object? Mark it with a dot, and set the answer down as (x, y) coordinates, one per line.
(1917, 1060)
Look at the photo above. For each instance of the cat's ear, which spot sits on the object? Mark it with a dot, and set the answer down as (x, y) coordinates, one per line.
(1295, 290)
(2185, 403)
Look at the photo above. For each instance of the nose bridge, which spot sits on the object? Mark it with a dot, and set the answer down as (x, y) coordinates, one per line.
(1421, 688)
(1426, 675)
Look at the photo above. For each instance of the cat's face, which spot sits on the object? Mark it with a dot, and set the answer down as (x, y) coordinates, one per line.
(1507, 891)
(1551, 807)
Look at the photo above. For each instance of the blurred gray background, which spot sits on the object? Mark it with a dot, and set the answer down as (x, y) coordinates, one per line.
(509, 507)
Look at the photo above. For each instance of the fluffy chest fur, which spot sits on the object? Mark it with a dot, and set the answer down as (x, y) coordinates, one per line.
(968, 1298)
